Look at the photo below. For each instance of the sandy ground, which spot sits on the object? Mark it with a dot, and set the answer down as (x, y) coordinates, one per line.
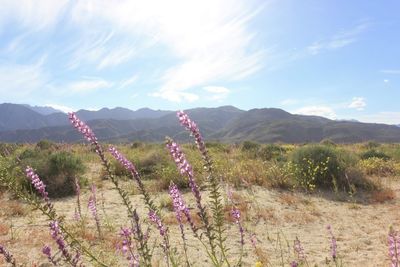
(276, 217)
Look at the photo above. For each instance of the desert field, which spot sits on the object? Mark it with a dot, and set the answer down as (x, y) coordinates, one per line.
(275, 208)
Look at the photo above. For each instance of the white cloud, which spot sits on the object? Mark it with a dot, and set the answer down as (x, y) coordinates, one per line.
(289, 102)
(33, 14)
(209, 38)
(391, 71)
(88, 85)
(128, 82)
(176, 96)
(64, 109)
(358, 103)
(339, 40)
(386, 117)
(386, 81)
(217, 92)
(323, 111)
(102, 49)
(20, 80)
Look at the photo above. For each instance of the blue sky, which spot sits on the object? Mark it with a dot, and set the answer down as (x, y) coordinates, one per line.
(339, 59)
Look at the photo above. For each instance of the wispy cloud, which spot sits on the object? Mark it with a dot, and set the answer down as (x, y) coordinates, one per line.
(18, 80)
(393, 71)
(388, 117)
(338, 40)
(102, 51)
(63, 108)
(358, 103)
(323, 111)
(289, 102)
(128, 82)
(208, 42)
(88, 85)
(210, 39)
(217, 92)
(35, 15)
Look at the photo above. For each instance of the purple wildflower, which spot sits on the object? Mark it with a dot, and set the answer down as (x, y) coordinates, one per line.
(294, 264)
(76, 259)
(37, 183)
(57, 236)
(78, 213)
(299, 250)
(89, 135)
(394, 247)
(122, 159)
(82, 128)
(253, 240)
(7, 255)
(180, 206)
(194, 130)
(135, 174)
(129, 166)
(184, 168)
(155, 219)
(46, 250)
(92, 205)
(333, 245)
(235, 212)
(127, 247)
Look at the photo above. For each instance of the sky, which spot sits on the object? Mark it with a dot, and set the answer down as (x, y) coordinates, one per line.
(335, 58)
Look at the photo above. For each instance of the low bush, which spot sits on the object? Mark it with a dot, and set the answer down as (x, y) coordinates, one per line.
(371, 145)
(280, 175)
(272, 151)
(328, 142)
(46, 145)
(317, 166)
(58, 169)
(249, 146)
(378, 166)
(372, 153)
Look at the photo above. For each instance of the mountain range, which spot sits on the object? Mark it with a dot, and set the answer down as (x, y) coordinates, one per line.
(23, 123)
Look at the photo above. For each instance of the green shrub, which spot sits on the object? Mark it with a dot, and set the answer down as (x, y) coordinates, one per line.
(249, 146)
(117, 169)
(7, 149)
(372, 153)
(371, 145)
(216, 146)
(272, 151)
(280, 175)
(328, 142)
(317, 166)
(377, 166)
(63, 169)
(46, 145)
(137, 144)
(57, 170)
(168, 174)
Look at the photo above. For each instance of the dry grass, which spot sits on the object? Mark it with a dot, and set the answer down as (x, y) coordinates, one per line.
(4, 229)
(14, 209)
(383, 195)
(289, 199)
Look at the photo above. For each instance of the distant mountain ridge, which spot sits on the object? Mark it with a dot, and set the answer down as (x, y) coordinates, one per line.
(226, 124)
(43, 110)
(25, 117)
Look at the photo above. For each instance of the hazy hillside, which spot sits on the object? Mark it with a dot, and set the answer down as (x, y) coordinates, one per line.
(43, 110)
(226, 124)
(24, 117)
